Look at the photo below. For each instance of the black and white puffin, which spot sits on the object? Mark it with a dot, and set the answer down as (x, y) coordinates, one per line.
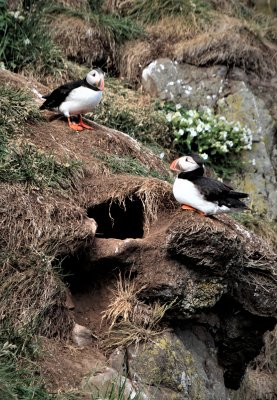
(199, 193)
(76, 98)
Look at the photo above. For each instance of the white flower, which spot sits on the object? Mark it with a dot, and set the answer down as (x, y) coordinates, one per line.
(192, 132)
(223, 135)
(27, 41)
(2, 65)
(169, 117)
(224, 148)
(204, 156)
(236, 129)
(253, 162)
(178, 106)
(191, 113)
(162, 155)
(177, 114)
(229, 143)
(181, 132)
(199, 128)
(207, 127)
(190, 121)
(222, 119)
(16, 14)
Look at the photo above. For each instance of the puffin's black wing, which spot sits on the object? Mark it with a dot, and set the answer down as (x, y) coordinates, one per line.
(58, 95)
(214, 190)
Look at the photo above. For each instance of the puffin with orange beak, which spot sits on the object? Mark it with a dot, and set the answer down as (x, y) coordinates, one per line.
(199, 193)
(76, 98)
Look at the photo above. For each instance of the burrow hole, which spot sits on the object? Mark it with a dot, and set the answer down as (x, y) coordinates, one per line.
(119, 220)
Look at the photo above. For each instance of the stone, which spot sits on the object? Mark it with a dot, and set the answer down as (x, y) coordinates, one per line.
(81, 335)
(178, 368)
(183, 83)
(106, 382)
(258, 172)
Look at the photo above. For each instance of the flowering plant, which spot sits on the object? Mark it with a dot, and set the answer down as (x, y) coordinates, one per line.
(208, 134)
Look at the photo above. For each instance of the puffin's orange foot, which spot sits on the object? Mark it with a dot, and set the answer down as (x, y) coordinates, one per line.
(74, 126)
(186, 207)
(81, 123)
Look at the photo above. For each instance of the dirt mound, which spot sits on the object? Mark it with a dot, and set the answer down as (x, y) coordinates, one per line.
(67, 247)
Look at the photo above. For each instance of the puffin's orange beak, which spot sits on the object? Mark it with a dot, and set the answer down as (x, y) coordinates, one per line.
(101, 84)
(173, 166)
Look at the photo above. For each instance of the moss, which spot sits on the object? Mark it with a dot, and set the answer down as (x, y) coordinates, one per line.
(167, 363)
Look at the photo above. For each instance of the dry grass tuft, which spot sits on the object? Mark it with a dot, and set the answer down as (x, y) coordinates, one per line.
(33, 297)
(81, 40)
(231, 44)
(136, 55)
(125, 305)
(118, 7)
(132, 321)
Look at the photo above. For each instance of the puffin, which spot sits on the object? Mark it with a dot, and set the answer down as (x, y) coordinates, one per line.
(76, 98)
(200, 193)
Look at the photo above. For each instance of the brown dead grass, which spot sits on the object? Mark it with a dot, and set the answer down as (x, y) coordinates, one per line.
(131, 321)
(232, 44)
(81, 40)
(119, 7)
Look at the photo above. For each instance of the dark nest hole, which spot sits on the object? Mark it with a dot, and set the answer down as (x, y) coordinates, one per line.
(119, 221)
(239, 338)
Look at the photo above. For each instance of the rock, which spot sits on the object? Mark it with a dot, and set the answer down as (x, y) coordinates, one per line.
(81, 335)
(117, 360)
(183, 83)
(258, 173)
(106, 382)
(187, 368)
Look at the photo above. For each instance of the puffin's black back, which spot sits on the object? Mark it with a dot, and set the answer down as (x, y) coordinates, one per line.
(59, 95)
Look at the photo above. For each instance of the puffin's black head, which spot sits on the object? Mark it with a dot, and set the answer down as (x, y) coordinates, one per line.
(188, 163)
(199, 160)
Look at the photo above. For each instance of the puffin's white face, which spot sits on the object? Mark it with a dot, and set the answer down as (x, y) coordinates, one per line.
(96, 78)
(184, 164)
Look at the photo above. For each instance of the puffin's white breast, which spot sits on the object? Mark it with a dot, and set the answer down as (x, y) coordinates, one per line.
(80, 101)
(185, 192)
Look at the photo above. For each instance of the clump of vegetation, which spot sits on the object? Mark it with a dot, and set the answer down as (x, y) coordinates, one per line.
(131, 320)
(149, 11)
(90, 36)
(25, 163)
(25, 41)
(128, 165)
(130, 112)
(19, 382)
(212, 136)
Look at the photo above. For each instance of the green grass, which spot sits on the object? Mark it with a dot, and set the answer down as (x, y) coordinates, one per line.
(149, 11)
(126, 110)
(116, 28)
(128, 165)
(18, 376)
(25, 42)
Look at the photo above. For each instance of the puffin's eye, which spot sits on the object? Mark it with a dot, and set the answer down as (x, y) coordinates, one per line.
(94, 74)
